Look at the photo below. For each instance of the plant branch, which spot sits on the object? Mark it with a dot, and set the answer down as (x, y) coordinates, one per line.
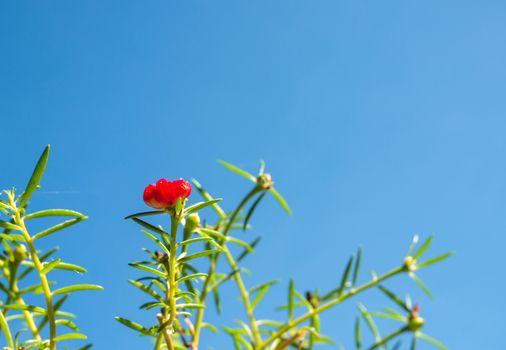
(328, 305)
(212, 267)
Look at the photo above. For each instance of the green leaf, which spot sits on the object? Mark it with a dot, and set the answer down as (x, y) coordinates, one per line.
(146, 290)
(190, 306)
(157, 241)
(245, 252)
(213, 233)
(281, 201)
(356, 268)
(194, 240)
(290, 300)
(434, 260)
(57, 305)
(148, 269)
(54, 212)
(48, 266)
(71, 267)
(200, 205)
(394, 298)
(344, 278)
(217, 302)
(149, 226)
(146, 213)
(67, 323)
(11, 237)
(358, 340)
(9, 225)
(208, 197)
(259, 287)
(56, 228)
(423, 248)
(260, 295)
(413, 244)
(420, 284)
(304, 301)
(20, 307)
(369, 321)
(238, 171)
(389, 316)
(243, 244)
(35, 178)
(252, 209)
(191, 277)
(76, 288)
(431, 341)
(197, 255)
(86, 347)
(413, 344)
(70, 336)
(133, 325)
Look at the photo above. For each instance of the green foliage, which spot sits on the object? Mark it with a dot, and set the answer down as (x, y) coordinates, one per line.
(21, 259)
(181, 275)
(180, 302)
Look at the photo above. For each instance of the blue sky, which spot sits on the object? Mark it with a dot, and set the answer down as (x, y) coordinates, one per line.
(377, 119)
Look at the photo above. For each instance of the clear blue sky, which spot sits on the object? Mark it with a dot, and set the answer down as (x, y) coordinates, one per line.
(377, 118)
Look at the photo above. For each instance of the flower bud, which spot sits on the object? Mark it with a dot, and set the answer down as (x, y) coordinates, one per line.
(192, 223)
(19, 253)
(415, 323)
(264, 181)
(409, 263)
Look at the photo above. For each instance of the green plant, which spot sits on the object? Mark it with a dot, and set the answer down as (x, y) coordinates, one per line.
(20, 259)
(171, 274)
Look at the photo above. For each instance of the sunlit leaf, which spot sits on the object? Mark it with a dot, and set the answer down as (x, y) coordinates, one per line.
(54, 212)
(148, 269)
(146, 290)
(369, 321)
(290, 300)
(133, 325)
(57, 228)
(208, 197)
(423, 248)
(9, 226)
(191, 277)
(434, 260)
(146, 213)
(358, 339)
(149, 226)
(35, 178)
(238, 171)
(356, 268)
(76, 288)
(252, 209)
(431, 340)
(201, 205)
(281, 201)
(420, 284)
(70, 336)
(394, 298)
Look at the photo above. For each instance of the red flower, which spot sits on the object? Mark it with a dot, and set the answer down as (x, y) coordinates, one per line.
(164, 194)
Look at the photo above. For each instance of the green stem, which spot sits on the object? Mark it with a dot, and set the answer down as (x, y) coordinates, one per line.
(170, 296)
(158, 342)
(13, 287)
(174, 222)
(328, 305)
(212, 267)
(244, 294)
(43, 280)
(7, 332)
(388, 337)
